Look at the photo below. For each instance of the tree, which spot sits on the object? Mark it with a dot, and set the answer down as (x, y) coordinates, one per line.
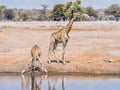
(79, 9)
(24, 16)
(44, 8)
(91, 12)
(113, 10)
(57, 12)
(43, 14)
(2, 8)
(65, 11)
(72, 7)
(9, 14)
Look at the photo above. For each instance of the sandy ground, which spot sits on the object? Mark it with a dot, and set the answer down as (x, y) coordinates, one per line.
(93, 47)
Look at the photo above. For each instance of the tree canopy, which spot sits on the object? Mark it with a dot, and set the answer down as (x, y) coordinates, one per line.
(57, 12)
(61, 12)
(113, 10)
(65, 11)
(9, 14)
(92, 12)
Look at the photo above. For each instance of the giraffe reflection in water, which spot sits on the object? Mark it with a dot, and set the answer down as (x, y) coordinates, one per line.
(33, 82)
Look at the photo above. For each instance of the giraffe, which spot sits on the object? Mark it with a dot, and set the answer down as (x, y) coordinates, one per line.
(61, 36)
(35, 54)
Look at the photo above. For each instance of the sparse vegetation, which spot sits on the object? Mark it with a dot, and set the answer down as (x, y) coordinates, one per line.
(61, 12)
(92, 13)
(113, 10)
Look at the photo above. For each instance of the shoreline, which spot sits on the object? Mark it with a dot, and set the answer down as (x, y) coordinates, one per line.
(61, 73)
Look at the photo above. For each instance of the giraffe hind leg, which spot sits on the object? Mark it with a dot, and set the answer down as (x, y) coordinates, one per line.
(57, 60)
(55, 46)
(51, 50)
(40, 63)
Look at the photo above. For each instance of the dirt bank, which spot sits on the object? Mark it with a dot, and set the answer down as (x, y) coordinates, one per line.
(93, 50)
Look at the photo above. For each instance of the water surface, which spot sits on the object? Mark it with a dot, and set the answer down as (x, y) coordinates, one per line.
(59, 82)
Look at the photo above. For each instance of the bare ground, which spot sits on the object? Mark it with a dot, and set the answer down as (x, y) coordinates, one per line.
(93, 47)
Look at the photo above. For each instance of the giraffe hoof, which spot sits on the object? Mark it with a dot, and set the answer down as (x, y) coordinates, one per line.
(64, 62)
(57, 61)
(49, 61)
(22, 71)
(46, 71)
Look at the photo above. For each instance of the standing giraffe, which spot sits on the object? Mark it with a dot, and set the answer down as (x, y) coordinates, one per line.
(58, 37)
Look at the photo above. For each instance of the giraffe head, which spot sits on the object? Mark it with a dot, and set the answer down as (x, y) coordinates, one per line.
(75, 15)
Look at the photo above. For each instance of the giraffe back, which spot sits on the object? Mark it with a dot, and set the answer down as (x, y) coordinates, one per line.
(35, 52)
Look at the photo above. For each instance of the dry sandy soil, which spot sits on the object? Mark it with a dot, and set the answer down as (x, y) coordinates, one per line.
(93, 47)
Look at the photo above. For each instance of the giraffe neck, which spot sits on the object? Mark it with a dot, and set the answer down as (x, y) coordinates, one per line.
(68, 26)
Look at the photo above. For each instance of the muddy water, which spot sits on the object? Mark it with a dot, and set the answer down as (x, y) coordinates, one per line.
(59, 82)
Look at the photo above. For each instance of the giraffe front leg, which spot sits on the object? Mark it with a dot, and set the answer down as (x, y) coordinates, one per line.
(32, 65)
(39, 61)
(24, 70)
(42, 67)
